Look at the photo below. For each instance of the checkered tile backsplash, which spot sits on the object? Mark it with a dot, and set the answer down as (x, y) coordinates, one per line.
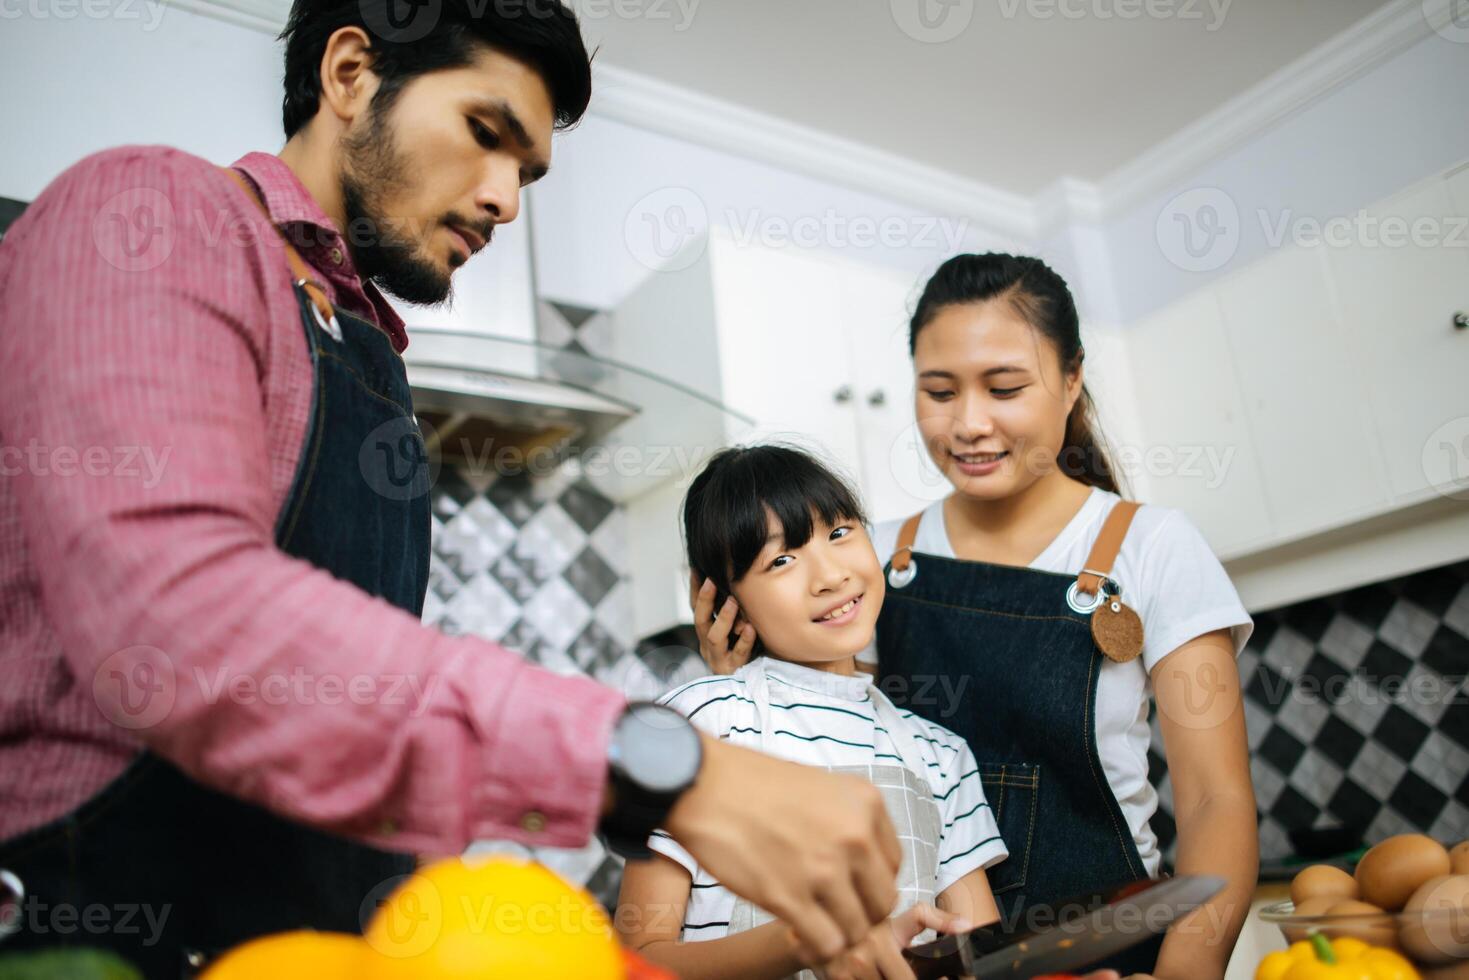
(1358, 713)
(540, 565)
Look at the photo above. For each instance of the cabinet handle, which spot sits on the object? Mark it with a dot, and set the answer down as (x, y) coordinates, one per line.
(1461, 320)
(877, 399)
(843, 395)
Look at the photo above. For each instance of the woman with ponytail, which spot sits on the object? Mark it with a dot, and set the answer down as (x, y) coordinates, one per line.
(1037, 614)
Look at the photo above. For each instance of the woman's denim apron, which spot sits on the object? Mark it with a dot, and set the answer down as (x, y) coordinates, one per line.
(185, 872)
(1027, 707)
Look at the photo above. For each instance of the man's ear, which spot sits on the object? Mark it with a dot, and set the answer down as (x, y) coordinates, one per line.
(348, 83)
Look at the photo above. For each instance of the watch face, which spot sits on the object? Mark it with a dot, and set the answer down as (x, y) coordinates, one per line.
(657, 747)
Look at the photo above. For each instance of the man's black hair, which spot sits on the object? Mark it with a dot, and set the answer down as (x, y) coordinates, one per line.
(434, 36)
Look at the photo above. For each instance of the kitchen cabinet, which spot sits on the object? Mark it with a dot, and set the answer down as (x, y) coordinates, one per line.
(1334, 372)
(795, 345)
(785, 354)
(1398, 303)
(898, 478)
(815, 348)
(1301, 382)
(1197, 450)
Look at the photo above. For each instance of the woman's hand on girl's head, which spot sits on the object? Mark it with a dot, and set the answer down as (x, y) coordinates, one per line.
(714, 631)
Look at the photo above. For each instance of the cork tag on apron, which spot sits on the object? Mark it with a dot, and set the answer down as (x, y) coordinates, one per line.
(1117, 630)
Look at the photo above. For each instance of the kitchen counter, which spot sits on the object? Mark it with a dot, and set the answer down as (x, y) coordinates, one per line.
(1257, 938)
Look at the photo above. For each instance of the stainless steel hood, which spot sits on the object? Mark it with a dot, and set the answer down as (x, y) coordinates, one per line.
(477, 393)
(504, 384)
(482, 374)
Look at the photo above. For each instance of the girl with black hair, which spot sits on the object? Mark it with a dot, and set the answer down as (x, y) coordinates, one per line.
(774, 527)
(1066, 609)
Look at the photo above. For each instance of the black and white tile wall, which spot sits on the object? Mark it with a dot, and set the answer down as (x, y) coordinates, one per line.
(1358, 713)
(540, 565)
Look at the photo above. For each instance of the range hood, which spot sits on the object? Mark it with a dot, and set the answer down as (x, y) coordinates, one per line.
(505, 384)
(477, 395)
(488, 371)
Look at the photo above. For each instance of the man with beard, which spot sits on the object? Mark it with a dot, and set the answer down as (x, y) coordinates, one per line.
(220, 714)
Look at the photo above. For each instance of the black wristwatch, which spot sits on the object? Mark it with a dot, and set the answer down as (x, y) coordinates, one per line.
(654, 757)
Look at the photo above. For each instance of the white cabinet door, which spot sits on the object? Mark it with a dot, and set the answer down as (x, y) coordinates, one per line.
(1398, 301)
(1303, 392)
(898, 478)
(1196, 452)
(784, 358)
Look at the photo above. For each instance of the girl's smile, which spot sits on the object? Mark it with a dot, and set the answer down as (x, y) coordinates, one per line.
(840, 614)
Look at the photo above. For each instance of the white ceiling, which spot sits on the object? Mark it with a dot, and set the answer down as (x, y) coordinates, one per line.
(1015, 101)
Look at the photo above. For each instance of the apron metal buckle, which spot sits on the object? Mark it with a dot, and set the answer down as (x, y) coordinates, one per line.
(327, 322)
(1106, 590)
(12, 902)
(901, 578)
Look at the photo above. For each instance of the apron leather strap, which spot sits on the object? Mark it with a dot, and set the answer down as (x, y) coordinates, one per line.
(1098, 564)
(906, 536)
(304, 277)
(1109, 543)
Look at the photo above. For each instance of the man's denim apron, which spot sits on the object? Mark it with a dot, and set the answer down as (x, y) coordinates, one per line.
(222, 871)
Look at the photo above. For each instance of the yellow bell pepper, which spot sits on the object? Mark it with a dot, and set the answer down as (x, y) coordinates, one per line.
(1320, 958)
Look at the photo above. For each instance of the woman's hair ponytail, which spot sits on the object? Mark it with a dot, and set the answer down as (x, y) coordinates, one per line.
(1041, 296)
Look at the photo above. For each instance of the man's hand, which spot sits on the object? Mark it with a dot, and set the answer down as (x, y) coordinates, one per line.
(714, 631)
(813, 848)
(880, 955)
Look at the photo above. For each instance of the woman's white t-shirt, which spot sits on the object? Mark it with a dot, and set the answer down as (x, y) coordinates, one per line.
(1171, 577)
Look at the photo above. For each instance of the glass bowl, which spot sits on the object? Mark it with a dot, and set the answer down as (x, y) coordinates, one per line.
(1436, 940)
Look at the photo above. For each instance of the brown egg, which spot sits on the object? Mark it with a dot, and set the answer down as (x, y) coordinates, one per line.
(1393, 870)
(1311, 906)
(1322, 880)
(1459, 971)
(1378, 931)
(1459, 858)
(1442, 933)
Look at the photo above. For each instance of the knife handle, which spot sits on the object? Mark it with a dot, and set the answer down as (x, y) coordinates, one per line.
(946, 968)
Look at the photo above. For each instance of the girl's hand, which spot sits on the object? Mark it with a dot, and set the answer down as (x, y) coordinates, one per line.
(714, 631)
(880, 956)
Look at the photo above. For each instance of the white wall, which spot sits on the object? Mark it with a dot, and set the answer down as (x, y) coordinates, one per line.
(613, 186)
(1403, 121)
(146, 75)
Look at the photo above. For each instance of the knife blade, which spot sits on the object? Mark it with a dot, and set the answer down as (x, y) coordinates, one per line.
(1063, 936)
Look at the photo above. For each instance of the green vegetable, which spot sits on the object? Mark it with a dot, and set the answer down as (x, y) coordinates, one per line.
(65, 964)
